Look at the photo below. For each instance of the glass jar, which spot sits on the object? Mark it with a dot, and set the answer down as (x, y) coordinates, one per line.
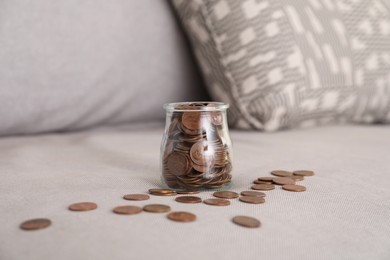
(196, 150)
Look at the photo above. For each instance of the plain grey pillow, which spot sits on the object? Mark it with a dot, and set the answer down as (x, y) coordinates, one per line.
(70, 64)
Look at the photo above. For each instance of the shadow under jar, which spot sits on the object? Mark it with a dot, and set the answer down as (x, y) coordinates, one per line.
(196, 150)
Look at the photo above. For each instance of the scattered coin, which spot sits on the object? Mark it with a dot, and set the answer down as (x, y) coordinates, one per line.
(263, 187)
(162, 192)
(82, 206)
(253, 193)
(266, 179)
(35, 224)
(297, 178)
(296, 188)
(303, 173)
(226, 194)
(281, 173)
(252, 200)
(188, 199)
(181, 216)
(246, 221)
(217, 202)
(284, 181)
(187, 192)
(157, 208)
(136, 197)
(261, 182)
(127, 210)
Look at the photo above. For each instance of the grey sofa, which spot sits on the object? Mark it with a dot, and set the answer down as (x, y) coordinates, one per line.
(344, 214)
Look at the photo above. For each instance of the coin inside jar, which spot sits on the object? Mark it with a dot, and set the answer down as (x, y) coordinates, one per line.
(191, 120)
(156, 208)
(136, 197)
(201, 153)
(188, 199)
(246, 221)
(178, 163)
(35, 224)
(225, 194)
(252, 200)
(127, 210)
(181, 216)
(217, 202)
(82, 206)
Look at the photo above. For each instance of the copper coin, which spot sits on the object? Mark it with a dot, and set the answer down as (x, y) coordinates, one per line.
(281, 173)
(157, 208)
(262, 182)
(246, 221)
(252, 200)
(266, 179)
(34, 224)
(187, 192)
(303, 173)
(216, 117)
(178, 163)
(263, 187)
(253, 193)
(284, 181)
(82, 206)
(136, 197)
(162, 192)
(191, 120)
(181, 216)
(217, 202)
(225, 194)
(127, 210)
(202, 153)
(297, 178)
(188, 199)
(296, 188)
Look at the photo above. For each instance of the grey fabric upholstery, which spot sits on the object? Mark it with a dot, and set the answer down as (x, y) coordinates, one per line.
(71, 64)
(344, 214)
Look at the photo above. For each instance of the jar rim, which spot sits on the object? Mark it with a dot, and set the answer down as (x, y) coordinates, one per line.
(196, 106)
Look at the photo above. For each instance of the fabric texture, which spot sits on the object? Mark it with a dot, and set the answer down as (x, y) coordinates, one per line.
(344, 214)
(293, 63)
(74, 64)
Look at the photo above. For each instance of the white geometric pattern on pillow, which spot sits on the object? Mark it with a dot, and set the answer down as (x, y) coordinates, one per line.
(284, 63)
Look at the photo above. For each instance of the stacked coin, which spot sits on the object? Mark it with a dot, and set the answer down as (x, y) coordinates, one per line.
(196, 153)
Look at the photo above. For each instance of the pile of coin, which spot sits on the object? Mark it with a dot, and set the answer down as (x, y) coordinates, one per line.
(285, 179)
(196, 149)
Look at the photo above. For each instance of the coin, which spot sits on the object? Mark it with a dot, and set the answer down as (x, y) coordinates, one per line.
(266, 179)
(178, 163)
(136, 197)
(162, 192)
(297, 178)
(296, 188)
(127, 210)
(225, 194)
(216, 117)
(263, 187)
(283, 181)
(191, 120)
(187, 192)
(201, 153)
(217, 202)
(246, 221)
(262, 182)
(188, 199)
(303, 173)
(252, 200)
(253, 193)
(157, 208)
(181, 216)
(281, 173)
(82, 206)
(34, 224)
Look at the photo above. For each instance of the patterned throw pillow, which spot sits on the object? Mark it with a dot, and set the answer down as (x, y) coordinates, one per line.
(283, 63)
